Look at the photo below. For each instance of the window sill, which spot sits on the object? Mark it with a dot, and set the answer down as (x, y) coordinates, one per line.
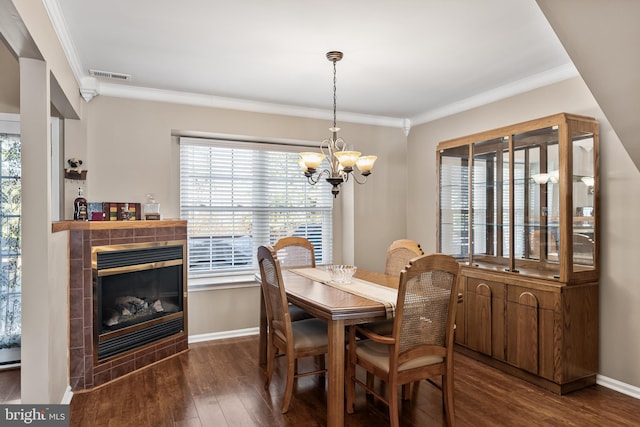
(197, 284)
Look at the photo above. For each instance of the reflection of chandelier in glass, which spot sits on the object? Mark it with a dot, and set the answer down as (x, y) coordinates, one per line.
(543, 178)
(588, 181)
(341, 161)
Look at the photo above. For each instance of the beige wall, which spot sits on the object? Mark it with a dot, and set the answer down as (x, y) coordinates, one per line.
(223, 310)
(9, 83)
(620, 204)
(130, 152)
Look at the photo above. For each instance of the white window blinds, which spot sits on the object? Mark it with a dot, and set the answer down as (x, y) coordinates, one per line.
(237, 196)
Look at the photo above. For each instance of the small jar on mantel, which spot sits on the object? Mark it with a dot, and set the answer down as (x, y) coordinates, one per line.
(151, 209)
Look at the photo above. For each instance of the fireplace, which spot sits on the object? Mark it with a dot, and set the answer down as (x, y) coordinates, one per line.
(85, 237)
(138, 295)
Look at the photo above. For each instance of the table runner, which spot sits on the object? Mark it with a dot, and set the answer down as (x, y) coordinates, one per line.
(362, 288)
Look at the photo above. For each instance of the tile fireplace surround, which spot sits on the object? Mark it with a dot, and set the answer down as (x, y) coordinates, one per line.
(84, 372)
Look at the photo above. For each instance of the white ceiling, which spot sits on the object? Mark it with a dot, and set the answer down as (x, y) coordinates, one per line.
(406, 59)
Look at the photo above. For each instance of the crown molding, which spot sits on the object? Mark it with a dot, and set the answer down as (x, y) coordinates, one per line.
(90, 88)
(545, 78)
(61, 29)
(161, 95)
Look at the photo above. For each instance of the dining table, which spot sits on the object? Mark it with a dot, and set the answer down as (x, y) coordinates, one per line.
(340, 306)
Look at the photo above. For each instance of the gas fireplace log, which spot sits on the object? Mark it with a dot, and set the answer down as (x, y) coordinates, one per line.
(128, 308)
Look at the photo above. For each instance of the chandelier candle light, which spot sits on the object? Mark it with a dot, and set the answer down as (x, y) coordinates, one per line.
(341, 161)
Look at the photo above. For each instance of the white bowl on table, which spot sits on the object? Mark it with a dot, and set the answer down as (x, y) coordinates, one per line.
(341, 273)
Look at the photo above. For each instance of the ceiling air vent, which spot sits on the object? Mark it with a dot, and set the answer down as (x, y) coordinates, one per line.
(110, 75)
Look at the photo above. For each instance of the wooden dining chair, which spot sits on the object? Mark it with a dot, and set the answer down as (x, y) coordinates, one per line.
(295, 252)
(292, 339)
(421, 343)
(399, 253)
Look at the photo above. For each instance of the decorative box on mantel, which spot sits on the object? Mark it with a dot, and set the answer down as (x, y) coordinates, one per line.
(88, 368)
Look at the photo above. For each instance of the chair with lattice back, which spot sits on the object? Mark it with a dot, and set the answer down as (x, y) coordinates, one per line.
(399, 253)
(295, 340)
(421, 343)
(295, 252)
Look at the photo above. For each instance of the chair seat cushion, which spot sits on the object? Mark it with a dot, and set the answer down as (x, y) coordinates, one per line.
(378, 355)
(307, 333)
(296, 313)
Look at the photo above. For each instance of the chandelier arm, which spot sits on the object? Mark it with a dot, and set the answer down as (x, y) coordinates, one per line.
(314, 179)
(326, 149)
(356, 175)
(340, 144)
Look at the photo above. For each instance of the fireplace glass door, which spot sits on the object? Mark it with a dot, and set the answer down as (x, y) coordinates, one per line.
(138, 295)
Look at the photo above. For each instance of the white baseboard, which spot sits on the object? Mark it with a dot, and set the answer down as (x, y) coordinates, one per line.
(619, 386)
(68, 395)
(10, 357)
(222, 335)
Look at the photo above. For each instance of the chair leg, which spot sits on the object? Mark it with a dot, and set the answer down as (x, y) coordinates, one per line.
(271, 356)
(447, 398)
(406, 391)
(394, 417)
(322, 365)
(370, 381)
(288, 391)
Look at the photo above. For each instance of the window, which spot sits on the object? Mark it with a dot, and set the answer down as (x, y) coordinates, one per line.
(237, 196)
(10, 233)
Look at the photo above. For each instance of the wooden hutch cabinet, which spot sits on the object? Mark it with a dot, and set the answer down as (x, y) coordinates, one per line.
(518, 207)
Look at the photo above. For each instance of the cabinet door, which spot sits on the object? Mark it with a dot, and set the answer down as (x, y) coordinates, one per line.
(485, 312)
(490, 199)
(530, 331)
(453, 201)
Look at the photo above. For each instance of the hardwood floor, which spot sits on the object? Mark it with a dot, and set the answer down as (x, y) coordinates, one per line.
(10, 385)
(219, 384)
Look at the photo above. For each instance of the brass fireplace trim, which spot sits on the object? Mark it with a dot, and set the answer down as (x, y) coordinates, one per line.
(129, 246)
(139, 267)
(117, 333)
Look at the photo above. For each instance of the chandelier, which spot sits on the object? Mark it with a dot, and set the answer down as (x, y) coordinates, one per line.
(341, 161)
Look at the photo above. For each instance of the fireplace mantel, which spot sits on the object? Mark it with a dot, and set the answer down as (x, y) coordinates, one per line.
(84, 372)
(115, 225)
